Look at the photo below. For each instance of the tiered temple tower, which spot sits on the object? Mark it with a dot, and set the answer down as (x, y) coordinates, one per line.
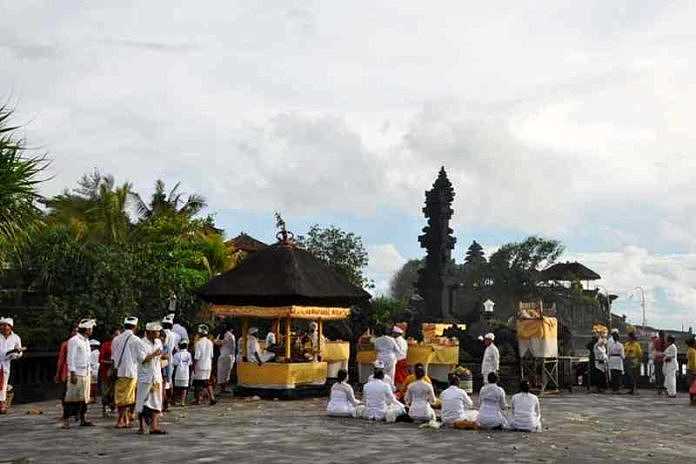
(438, 241)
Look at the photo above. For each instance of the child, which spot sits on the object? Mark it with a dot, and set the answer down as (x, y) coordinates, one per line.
(182, 364)
(94, 368)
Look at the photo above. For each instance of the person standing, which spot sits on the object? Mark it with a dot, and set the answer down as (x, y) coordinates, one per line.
(182, 362)
(178, 329)
(203, 358)
(526, 412)
(10, 349)
(691, 369)
(123, 350)
(658, 351)
(62, 361)
(94, 369)
(386, 352)
(634, 358)
(600, 366)
(107, 376)
(149, 402)
(671, 367)
(77, 393)
(169, 346)
(491, 357)
(457, 406)
(616, 362)
(401, 369)
(228, 347)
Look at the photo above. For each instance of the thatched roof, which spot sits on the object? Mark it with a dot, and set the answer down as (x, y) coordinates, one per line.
(281, 275)
(246, 243)
(569, 272)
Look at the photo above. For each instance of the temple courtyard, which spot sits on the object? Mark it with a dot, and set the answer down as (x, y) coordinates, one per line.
(579, 427)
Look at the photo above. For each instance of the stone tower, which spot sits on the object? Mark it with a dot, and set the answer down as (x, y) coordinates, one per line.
(438, 241)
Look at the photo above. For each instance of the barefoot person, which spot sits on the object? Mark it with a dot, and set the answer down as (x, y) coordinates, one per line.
(10, 349)
(150, 390)
(77, 392)
(123, 350)
(203, 358)
(670, 367)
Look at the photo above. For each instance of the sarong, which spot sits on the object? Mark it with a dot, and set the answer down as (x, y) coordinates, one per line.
(401, 372)
(124, 393)
(4, 378)
(150, 396)
(107, 390)
(78, 392)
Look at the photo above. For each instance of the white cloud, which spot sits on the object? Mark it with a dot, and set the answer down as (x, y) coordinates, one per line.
(385, 260)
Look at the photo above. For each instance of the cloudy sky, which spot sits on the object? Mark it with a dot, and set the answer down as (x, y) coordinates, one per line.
(572, 120)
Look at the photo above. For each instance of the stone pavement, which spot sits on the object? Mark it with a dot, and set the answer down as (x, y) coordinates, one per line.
(578, 428)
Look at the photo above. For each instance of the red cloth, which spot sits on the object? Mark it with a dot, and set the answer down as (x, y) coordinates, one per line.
(401, 372)
(104, 359)
(62, 364)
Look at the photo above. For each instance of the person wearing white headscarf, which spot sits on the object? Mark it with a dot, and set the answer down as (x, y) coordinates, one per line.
(387, 351)
(254, 352)
(10, 349)
(228, 348)
(379, 366)
(203, 358)
(492, 404)
(78, 388)
(526, 412)
(170, 344)
(149, 399)
(342, 402)
(491, 357)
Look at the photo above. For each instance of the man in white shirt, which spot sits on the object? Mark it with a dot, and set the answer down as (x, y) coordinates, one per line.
(671, 367)
(386, 351)
(491, 357)
(178, 329)
(380, 401)
(149, 401)
(254, 353)
(169, 346)
(123, 350)
(228, 348)
(616, 355)
(601, 364)
(457, 406)
(79, 358)
(401, 368)
(10, 349)
(203, 358)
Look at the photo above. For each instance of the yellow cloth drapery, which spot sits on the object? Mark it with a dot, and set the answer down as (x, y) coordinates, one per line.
(546, 328)
(314, 313)
(335, 351)
(281, 375)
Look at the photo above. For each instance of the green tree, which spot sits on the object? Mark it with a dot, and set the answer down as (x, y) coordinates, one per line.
(402, 284)
(20, 176)
(344, 251)
(169, 204)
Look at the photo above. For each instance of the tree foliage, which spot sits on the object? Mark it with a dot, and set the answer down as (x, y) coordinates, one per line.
(402, 284)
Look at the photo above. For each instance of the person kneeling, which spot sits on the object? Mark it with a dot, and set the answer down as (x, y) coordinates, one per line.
(419, 396)
(380, 402)
(492, 403)
(526, 414)
(456, 406)
(342, 402)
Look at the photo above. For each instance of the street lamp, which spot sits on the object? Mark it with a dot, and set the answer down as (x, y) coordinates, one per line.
(488, 309)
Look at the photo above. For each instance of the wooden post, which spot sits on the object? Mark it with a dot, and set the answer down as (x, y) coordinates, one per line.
(320, 335)
(288, 341)
(245, 332)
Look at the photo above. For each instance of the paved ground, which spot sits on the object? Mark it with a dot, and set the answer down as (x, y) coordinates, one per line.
(579, 428)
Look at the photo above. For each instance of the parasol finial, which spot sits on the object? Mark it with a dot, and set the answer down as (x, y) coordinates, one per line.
(284, 236)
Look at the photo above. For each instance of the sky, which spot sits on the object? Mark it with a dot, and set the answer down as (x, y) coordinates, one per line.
(568, 120)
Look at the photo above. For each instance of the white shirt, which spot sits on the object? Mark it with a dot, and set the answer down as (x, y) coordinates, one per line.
(171, 341)
(455, 402)
(10, 343)
(377, 396)
(203, 354)
(128, 366)
(342, 401)
(386, 348)
(229, 344)
(420, 395)
(526, 413)
(94, 364)
(387, 380)
(270, 339)
(671, 353)
(149, 371)
(616, 356)
(491, 361)
(492, 404)
(79, 355)
(182, 361)
(180, 330)
(600, 354)
(403, 348)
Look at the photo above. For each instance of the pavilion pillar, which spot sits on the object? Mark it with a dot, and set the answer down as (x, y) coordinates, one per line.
(320, 336)
(288, 341)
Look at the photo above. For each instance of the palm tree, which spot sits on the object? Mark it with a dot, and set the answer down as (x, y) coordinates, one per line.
(172, 203)
(96, 210)
(19, 180)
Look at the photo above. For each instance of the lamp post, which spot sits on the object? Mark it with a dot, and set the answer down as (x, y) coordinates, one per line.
(642, 304)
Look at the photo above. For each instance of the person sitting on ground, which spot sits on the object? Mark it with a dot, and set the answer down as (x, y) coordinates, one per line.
(410, 379)
(380, 402)
(342, 402)
(457, 406)
(379, 366)
(492, 403)
(526, 413)
(419, 396)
